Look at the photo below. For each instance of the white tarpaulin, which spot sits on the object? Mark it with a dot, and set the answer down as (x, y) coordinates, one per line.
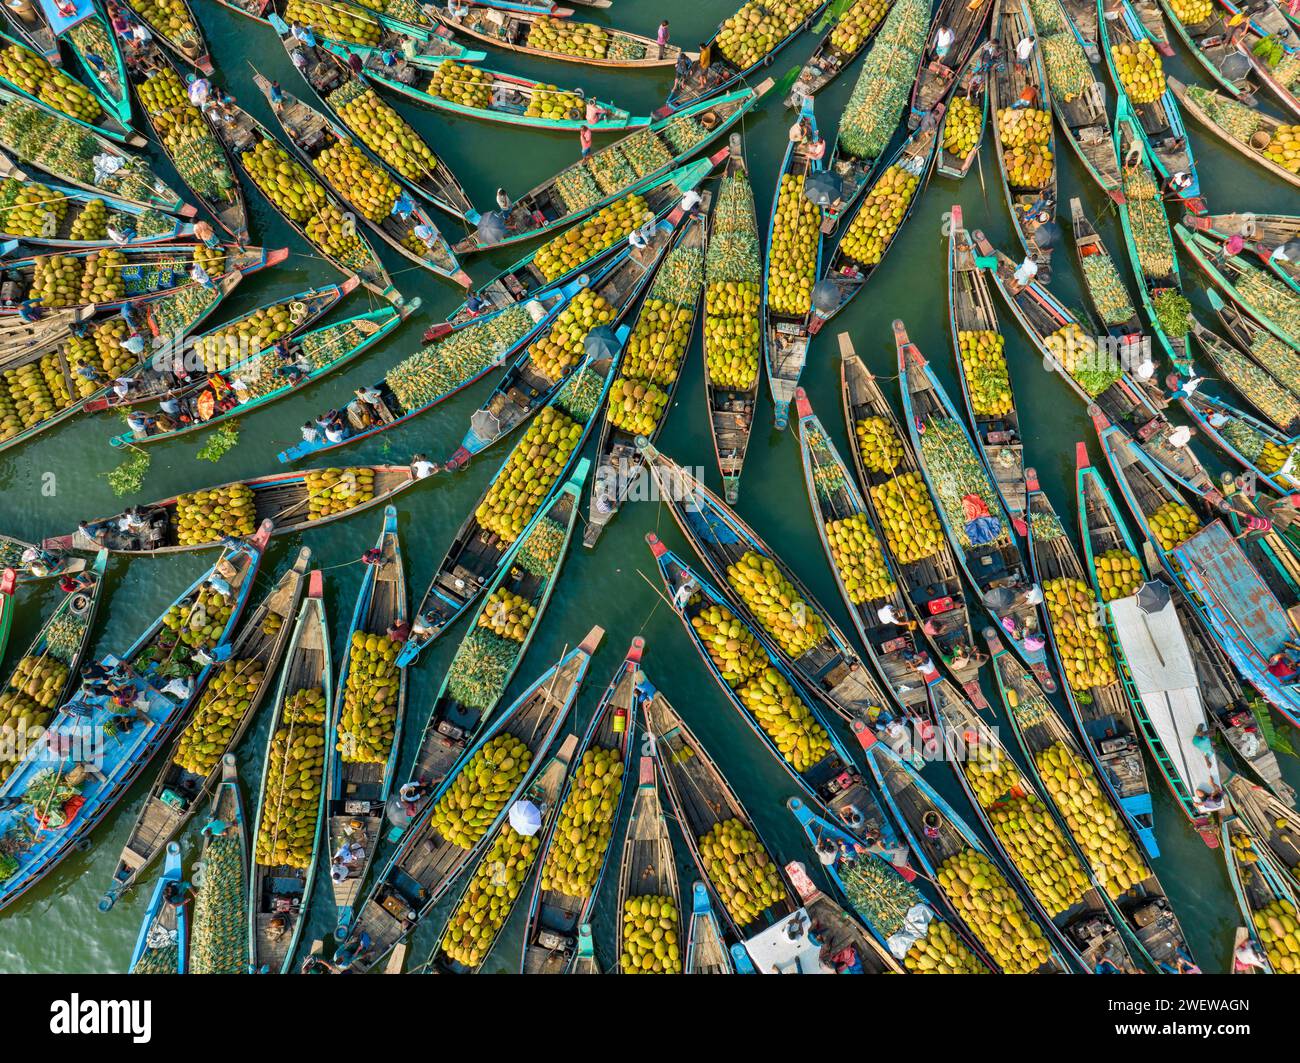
(1165, 675)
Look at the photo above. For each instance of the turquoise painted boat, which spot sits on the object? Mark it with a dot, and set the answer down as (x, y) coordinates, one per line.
(706, 949)
(162, 946)
(29, 24)
(283, 872)
(1257, 883)
(183, 35)
(1253, 376)
(218, 935)
(1253, 444)
(87, 33)
(647, 869)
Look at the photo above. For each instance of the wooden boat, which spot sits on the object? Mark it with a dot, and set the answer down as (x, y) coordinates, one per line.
(835, 51)
(324, 349)
(53, 803)
(972, 85)
(586, 961)
(935, 595)
(787, 332)
(87, 34)
(526, 279)
(1211, 44)
(1141, 909)
(1103, 712)
(279, 892)
(1252, 340)
(201, 161)
(1196, 100)
(162, 946)
(426, 863)
(27, 21)
(182, 36)
(1031, 207)
(357, 784)
(1083, 924)
(701, 798)
(835, 499)
(706, 950)
(54, 565)
(994, 564)
(1083, 17)
(1270, 813)
(1234, 277)
(254, 9)
(178, 792)
(830, 667)
(458, 356)
(151, 382)
(151, 272)
(544, 208)
(60, 147)
(894, 886)
(1252, 443)
(648, 865)
(336, 86)
(939, 76)
(722, 73)
(311, 135)
(1264, 235)
(846, 275)
(1159, 124)
(971, 310)
(219, 938)
(512, 30)
(524, 388)
(1257, 882)
(243, 133)
(1117, 320)
(936, 835)
(280, 497)
(1268, 20)
(554, 916)
(484, 905)
(618, 453)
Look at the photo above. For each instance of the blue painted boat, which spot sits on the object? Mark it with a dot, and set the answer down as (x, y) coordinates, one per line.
(218, 937)
(162, 946)
(706, 951)
(279, 890)
(426, 862)
(53, 801)
(647, 868)
(86, 31)
(359, 781)
(554, 915)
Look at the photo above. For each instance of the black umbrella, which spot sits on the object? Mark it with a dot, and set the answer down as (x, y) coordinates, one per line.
(826, 295)
(823, 188)
(491, 228)
(1292, 250)
(999, 599)
(1047, 235)
(601, 342)
(1235, 66)
(1153, 596)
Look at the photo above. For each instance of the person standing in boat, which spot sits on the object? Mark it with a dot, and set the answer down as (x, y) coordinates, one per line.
(943, 43)
(661, 37)
(585, 140)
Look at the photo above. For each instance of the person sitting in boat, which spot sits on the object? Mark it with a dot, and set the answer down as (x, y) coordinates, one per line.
(681, 68)
(36, 562)
(65, 8)
(99, 534)
(336, 431)
(816, 149)
(924, 665)
(799, 131)
(1179, 182)
(685, 592)
(411, 794)
(1028, 98)
(1246, 956)
(1282, 665)
(930, 823)
(139, 422)
(594, 113)
(1210, 798)
(827, 851)
(350, 856)
(422, 468)
(351, 952)
(1182, 965)
(1204, 744)
(298, 57)
(304, 34)
(457, 10)
(427, 235)
(291, 373)
(399, 630)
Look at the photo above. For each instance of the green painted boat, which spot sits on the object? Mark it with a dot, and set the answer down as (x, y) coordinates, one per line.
(1257, 882)
(183, 36)
(89, 36)
(1265, 235)
(1210, 44)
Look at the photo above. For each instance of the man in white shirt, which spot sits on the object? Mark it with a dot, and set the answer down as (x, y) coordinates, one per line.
(690, 201)
(422, 467)
(1024, 49)
(943, 42)
(1026, 272)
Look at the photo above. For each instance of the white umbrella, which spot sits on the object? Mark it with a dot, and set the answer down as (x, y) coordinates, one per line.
(526, 818)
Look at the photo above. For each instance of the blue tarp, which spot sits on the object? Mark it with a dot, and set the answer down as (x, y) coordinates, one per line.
(983, 530)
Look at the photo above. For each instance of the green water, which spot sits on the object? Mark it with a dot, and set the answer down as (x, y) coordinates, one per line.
(51, 483)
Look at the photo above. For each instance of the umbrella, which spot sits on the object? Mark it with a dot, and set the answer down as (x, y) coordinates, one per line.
(826, 295)
(1153, 596)
(601, 342)
(1235, 66)
(1047, 235)
(1291, 249)
(526, 818)
(999, 599)
(823, 188)
(491, 228)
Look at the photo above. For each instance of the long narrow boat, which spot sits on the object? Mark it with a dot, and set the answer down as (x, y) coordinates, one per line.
(54, 563)
(706, 949)
(1008, 807)
(632, 164)
(978, 347)
(733, 276)
(968, 104)
(1266, 235)
(985, 545)
(793, 730)
(705, 804)
(291, 799)
(219, 927)
(190, 772)
(791, 265)
(565, 40)
(1212, 43)
(1274, 397)
(948, 852)
(647, 882)
(315, 214)
(866, 579)
(53, 802)
(1255, 445)
(1251, 340)
(87, 34)
(900, 917)
(28, 21)
(162, 946)
(365, 28)
(755, 35)
(902, 515)
(188, 137)
(439, 845)
(1087, 814)
(1159, 123)
(658, 345)
(253, 383)
(1083, 17)
(853, 26)
(63, 149)
(1106, 289)
(181, 32)
(874, 223)
(1271, 814)
(572, 869)
(1270, 47)
(365, 730)
(1098, 700)
(1018, 98)
(1263, 894)
(964, 22)
(810, 644)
